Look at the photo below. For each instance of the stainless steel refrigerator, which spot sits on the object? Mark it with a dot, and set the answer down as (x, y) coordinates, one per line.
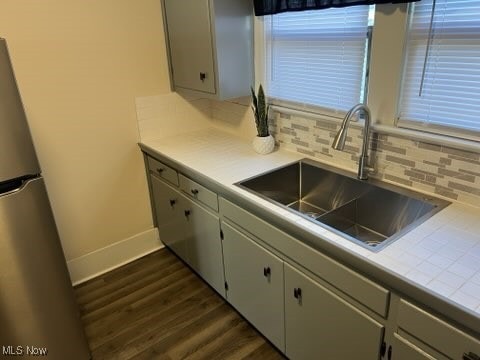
(38, 311)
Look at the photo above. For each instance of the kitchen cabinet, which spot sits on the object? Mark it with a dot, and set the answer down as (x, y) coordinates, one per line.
(255, 284)
(360, 290)
(163, 171)
(307, 303)
(204, 245)
(321, 325)
(433, 335)
(188, 228)
(210, 46)
(169, 217)
(406, 350)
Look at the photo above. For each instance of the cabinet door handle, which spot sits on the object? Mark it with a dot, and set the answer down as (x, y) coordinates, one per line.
(297, 293)
(470, 356)
(172, 202)
(203, 76)
(267, 271)
(194, 191)
(160, 170)
(187, 213)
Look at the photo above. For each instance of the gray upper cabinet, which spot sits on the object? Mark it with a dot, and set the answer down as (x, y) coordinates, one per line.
(321, 325)
(210, 46)
(255, 284)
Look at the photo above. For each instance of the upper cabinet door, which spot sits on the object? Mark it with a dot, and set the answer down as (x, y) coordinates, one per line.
(321, 325)
(191, 47)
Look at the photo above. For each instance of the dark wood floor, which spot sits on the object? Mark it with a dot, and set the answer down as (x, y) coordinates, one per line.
(157, 308)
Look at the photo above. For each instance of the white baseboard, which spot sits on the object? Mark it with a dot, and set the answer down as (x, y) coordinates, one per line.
(113, 256)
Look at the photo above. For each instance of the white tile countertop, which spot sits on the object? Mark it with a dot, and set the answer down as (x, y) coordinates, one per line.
(441, 255)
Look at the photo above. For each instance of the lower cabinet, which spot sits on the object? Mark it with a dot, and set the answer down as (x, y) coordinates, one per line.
(191, 231)
(432, 335)
(255, 284)
(169, 217)
(404, 350)
(204, 245)
(297, 314)
(321, 325)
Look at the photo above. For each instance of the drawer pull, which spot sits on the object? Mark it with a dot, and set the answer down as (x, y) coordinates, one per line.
(194, 191)
(266, 271)
(172, 202)
(160, 170)
(470, 356)
(297, 293)
(187, 213)
(203, 76)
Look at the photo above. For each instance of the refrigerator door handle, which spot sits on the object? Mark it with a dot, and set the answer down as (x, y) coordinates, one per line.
(18, 185)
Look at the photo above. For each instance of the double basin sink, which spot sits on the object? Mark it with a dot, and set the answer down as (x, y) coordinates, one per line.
(370, 213)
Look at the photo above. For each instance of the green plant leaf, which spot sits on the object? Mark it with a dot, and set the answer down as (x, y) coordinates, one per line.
(260, 111)
(254, 97)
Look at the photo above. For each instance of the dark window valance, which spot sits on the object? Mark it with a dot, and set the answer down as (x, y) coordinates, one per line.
(269, 7)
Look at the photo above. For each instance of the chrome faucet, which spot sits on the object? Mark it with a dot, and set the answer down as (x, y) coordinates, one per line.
(339, 141)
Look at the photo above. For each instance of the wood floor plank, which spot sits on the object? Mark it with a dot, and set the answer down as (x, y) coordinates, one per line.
(130, 286)
(141, 338)
(183, 275)
(187, 341)
(94, 284)
(130, 318)
(113, 282)
(264, 352)
(158, 308)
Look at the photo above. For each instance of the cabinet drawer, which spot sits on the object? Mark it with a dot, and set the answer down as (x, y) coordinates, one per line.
(199, 192)
(165, 172)
(435, 332)
(346, 280)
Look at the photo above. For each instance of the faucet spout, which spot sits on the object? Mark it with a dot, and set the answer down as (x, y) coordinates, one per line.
(339, 140)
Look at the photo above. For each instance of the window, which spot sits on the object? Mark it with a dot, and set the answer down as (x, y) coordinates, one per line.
(441, 80)
(318, 58)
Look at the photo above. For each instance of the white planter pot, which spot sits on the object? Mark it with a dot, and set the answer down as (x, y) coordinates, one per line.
(263, 145)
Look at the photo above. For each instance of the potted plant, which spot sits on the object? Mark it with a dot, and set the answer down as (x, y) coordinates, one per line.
(263, 143)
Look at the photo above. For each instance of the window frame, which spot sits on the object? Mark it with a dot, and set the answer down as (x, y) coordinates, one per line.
(261, 51)
(419, 124)
(385, 76)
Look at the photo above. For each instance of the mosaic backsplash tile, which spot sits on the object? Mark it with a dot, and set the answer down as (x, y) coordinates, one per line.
(445, 171)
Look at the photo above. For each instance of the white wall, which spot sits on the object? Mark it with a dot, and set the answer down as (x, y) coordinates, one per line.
(79, 66)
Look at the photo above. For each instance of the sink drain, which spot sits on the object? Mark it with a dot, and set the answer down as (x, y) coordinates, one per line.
(312, 214)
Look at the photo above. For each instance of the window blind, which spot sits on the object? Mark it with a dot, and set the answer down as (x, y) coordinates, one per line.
(443, 52)
(317, 57)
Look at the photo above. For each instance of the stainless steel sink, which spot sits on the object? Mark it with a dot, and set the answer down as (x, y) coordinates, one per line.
(371, 213)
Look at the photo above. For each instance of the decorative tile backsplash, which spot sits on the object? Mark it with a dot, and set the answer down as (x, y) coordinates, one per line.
(441, 170)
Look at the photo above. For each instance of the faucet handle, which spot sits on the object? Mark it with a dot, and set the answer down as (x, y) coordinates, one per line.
(365, 168)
